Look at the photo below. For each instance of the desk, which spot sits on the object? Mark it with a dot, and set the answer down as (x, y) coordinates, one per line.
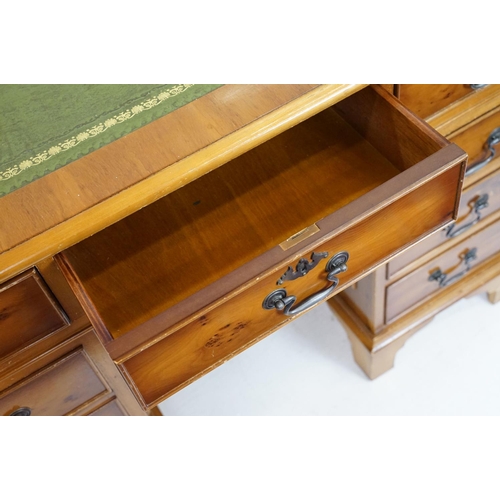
(66, 207)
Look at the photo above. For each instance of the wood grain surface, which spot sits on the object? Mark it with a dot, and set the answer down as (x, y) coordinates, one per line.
(400, 136)
(110, 409)
(40, 357)
(59, 389)
(415, 287)
(425, 100)
(473, 138)
(467, 109)
(28, 312)
(489, 186)
(442, 170)
(164, 253)
(221, 332)
(82, 198)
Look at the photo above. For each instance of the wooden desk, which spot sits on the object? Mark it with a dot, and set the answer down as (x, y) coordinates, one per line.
(66, 207)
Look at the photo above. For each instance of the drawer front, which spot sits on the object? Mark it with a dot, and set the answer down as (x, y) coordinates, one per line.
(423, 283)
(425, 100)
(481, 141)
(28, 312)
(231, 326)
(62, 388)
(477, 202)
(111, 409)
(177, 288)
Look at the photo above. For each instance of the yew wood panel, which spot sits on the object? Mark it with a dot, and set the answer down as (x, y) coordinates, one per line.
(467, 219)
(400, 136)
(46, 353)
(416, 287)
(367, 296)
(28, 312)
(222, 331)
(60, 389)
(425, 100)
(461, 113)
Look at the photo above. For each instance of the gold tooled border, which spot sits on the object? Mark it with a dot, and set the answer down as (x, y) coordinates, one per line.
(93, 131)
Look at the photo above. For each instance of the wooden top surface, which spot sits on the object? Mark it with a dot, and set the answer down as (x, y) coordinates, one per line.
(47, 126)
(105, 186)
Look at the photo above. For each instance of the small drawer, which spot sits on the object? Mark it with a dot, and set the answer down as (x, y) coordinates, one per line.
(477, 202)
(425, 100)
(423, 283)
(62, 388)
(201, 274)
(28, 312)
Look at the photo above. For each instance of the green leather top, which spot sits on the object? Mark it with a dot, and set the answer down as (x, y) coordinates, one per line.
(44, 127)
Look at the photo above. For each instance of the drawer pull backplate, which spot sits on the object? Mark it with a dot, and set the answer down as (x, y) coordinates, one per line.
(279, 300)
(442, 278)
(302, 268)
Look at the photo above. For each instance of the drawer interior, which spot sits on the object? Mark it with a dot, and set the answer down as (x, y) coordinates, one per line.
(189, 239)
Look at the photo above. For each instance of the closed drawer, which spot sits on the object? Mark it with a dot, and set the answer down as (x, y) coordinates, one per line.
(481, 141)
(425, 100)
(110, 409)
(477, 202)
(62, 388)
(423, 283)
(28, 312)
(179, 287)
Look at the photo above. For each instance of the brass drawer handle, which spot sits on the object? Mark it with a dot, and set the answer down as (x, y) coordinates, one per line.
(279, 300)
(24, 411)
(489, 147)
(442, 278)
(480, 204)
(477, 86)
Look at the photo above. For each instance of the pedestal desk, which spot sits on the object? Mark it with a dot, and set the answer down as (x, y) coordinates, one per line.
(132, 271)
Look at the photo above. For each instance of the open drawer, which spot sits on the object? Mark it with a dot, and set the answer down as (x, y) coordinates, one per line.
(187, 282)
